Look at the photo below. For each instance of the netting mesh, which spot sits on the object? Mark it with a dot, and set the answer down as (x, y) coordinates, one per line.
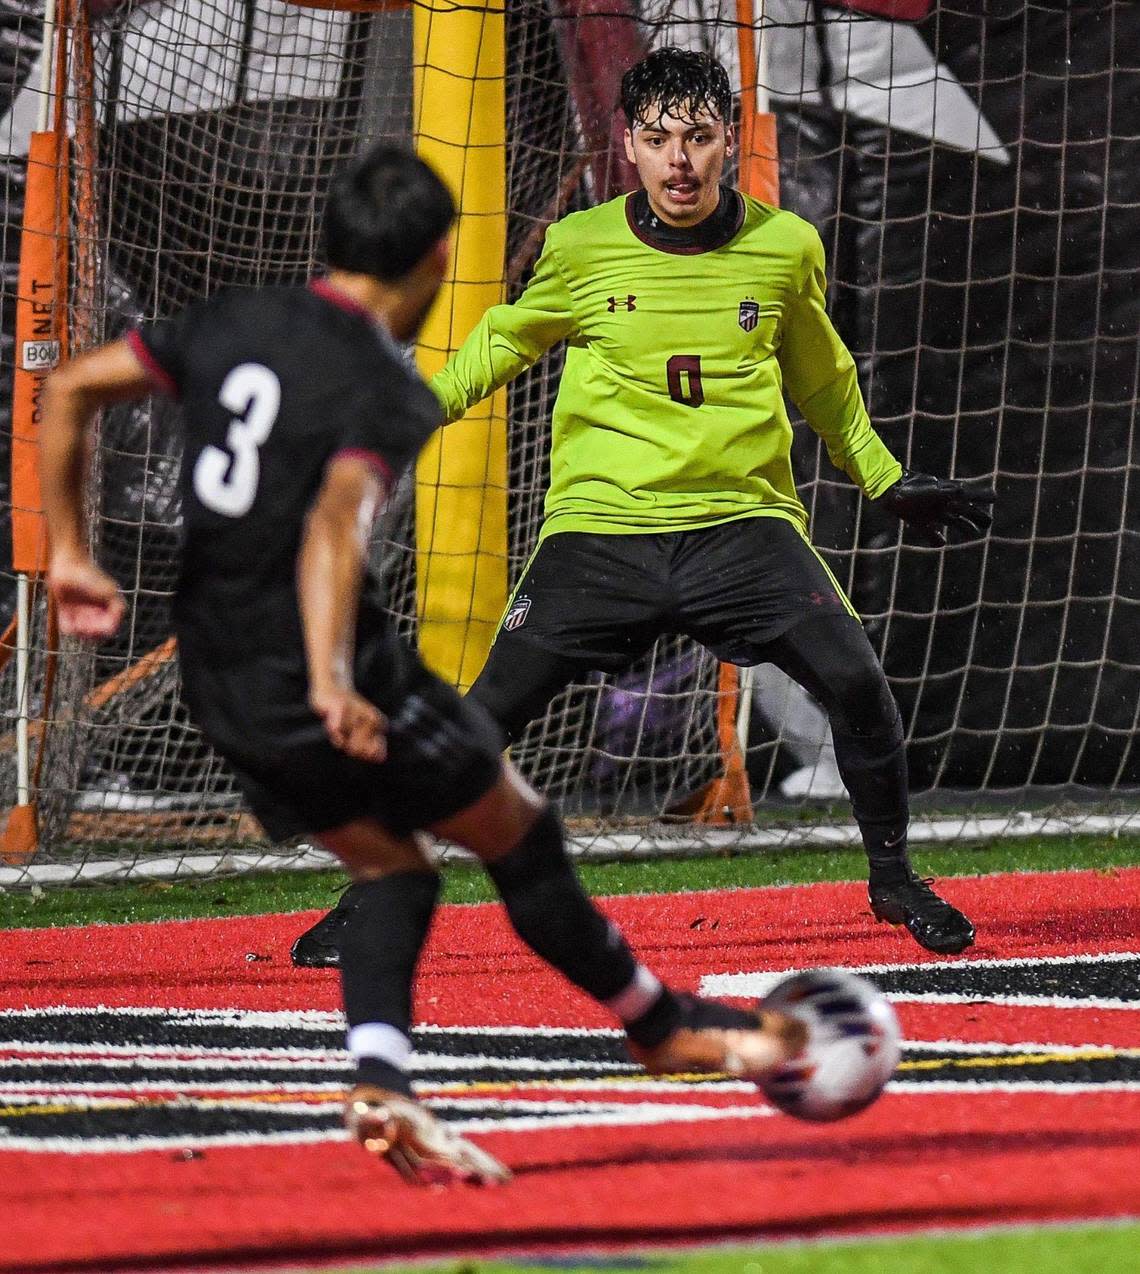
(976, 183)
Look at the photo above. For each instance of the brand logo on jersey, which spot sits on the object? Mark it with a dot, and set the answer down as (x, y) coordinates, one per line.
(516, 616)
(621, 303)
(749, 314)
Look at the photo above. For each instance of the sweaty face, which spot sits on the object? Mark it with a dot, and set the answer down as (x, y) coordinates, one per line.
(680, 162)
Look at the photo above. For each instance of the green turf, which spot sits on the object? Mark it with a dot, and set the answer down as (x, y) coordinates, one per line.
(1086, 1249)
(301, 891)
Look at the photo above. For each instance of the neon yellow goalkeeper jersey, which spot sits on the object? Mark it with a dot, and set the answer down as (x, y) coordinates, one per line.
(670, 414)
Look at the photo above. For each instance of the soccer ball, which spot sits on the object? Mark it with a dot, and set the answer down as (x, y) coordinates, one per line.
(852, 1047)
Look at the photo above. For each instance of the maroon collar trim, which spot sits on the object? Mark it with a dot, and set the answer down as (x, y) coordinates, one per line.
(329, 292)
(158, 376)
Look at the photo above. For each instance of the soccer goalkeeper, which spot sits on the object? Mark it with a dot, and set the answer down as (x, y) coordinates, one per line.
(689, 310)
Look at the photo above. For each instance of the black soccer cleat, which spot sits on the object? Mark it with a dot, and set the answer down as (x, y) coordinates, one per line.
(932, 922)
(319, 947)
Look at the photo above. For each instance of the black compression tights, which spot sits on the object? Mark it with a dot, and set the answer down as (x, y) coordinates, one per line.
(516, 690)
(832, 659)
(829, 655)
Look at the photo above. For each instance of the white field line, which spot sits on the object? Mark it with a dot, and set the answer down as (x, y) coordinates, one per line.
(758, 983)
(293, 1019)
(648, 842)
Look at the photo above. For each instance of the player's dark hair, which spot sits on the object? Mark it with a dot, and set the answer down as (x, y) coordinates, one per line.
(384, 213)
(677, 82)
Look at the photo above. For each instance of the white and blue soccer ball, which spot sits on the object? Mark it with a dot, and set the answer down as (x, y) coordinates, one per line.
(852, 1049)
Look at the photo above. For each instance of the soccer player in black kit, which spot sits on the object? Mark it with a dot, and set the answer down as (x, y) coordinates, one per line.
(299, 414)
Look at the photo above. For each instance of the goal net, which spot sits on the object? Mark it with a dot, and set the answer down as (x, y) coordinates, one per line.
(976, 181)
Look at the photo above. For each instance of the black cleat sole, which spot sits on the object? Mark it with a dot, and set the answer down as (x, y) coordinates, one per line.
(945, 946)
(303, 959)
(959, 939)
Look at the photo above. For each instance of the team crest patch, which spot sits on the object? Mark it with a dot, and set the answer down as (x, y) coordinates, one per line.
(749, 314)
(516, 616)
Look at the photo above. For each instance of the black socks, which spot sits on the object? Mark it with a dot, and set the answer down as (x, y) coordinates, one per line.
(550, 912)
(381, 944)
(553, 915)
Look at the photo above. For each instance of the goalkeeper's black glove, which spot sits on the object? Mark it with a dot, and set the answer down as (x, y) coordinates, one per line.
(933, 507)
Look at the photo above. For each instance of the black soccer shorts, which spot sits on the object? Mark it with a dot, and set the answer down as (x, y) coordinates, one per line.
(602, 600)
(589, 601)
(444, 752)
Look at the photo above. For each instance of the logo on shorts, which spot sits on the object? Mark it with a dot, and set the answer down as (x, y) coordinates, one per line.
(818, 598)
(621, 302)
(749, 314)
(516, 616)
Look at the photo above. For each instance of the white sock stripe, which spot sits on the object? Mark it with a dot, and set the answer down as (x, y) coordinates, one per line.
(638, 997)
(378, 1039)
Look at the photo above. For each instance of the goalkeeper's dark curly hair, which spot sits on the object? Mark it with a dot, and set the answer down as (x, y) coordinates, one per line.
(677, 82)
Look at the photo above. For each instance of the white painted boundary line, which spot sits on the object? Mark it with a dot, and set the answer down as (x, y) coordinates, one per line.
(573, 1115)
(308, 1019)
(648, 842)
(759, 983)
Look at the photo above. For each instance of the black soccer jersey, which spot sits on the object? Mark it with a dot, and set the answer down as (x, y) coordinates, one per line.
(273, 383)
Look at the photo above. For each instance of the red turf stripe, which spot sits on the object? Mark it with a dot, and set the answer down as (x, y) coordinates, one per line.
(910, 1161)
(913, 1160)
(1017, 1024)
(203, 963)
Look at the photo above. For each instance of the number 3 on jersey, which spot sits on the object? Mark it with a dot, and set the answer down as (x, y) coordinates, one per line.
(225, 480)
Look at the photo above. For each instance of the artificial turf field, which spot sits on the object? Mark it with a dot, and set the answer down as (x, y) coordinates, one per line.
(171, 1089)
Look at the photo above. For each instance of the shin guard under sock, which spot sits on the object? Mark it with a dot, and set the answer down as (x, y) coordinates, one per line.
(553, 915)
(378, 953)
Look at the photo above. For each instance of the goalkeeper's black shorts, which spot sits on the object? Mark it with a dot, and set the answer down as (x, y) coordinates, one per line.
(444, 752)
(602, 600)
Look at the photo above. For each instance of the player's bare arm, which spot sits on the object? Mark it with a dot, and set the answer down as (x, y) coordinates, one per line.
(330, 568)
(88, 599)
